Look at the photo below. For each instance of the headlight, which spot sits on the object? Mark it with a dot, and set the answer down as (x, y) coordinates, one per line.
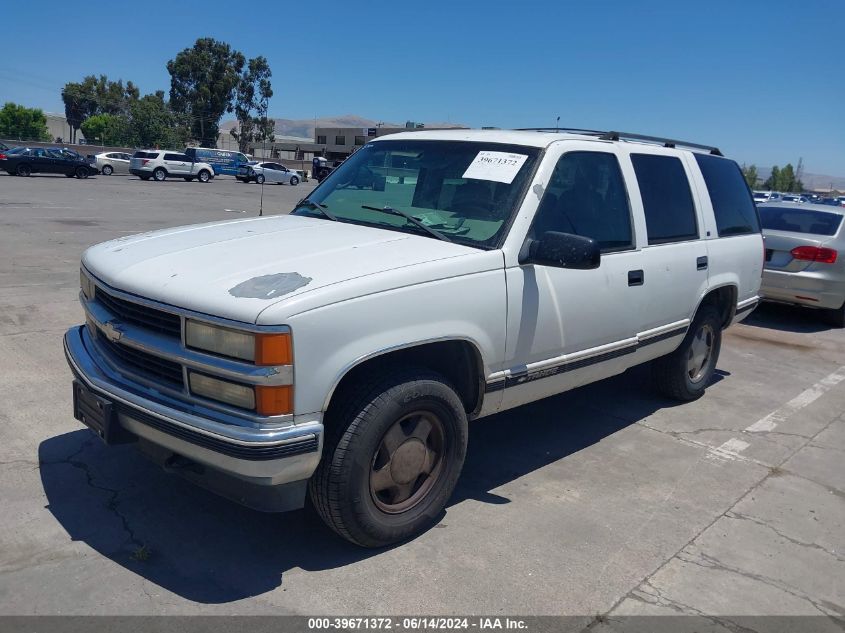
(86, 284)
(265, 400)
(222, 390)
(262, 349)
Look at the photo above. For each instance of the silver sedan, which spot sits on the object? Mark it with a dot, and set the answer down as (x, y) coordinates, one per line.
(112, 163)
(267, 172)
(805, 257)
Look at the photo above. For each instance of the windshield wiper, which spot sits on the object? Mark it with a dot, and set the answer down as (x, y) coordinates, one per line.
(410, 218)
(319, 207)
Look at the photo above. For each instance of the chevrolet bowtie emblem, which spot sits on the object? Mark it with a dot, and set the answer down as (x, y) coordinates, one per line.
(111, 331)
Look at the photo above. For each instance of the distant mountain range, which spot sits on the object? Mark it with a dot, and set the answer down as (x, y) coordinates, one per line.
(305, 127)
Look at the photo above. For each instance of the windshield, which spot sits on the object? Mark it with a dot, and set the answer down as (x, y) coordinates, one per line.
(463, 190)
(799, 220)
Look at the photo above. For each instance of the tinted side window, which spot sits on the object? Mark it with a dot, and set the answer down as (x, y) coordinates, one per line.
(667, 200)
(586, 196)
(179, 157)
(732, 202)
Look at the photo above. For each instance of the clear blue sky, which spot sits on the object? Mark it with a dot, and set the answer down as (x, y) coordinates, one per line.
(762, 79)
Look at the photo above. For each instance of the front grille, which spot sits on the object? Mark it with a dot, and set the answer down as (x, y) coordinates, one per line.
(152, 367)
(141, 315)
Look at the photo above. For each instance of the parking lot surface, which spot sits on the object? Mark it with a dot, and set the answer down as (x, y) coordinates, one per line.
(603, 501)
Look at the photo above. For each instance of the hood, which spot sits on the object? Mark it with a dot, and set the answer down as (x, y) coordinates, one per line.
(236, 269)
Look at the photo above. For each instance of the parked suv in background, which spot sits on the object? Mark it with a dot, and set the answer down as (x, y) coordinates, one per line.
(162, 164)
(341, 350)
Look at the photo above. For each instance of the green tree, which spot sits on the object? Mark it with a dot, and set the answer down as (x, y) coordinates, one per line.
(750, 175)
(253, 94)
(96, 95)
(773, 181)
(203, 80)
(26, 124)
(154, 124)
(109, 129)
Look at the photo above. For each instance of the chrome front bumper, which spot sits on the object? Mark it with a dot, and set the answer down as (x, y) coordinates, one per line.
(259, 457)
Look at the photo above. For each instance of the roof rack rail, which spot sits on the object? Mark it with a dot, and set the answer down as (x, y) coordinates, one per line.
(666, 142)
(616, 136)
(574, 130)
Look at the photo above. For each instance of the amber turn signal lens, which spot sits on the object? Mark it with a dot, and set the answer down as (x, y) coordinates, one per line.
(274, 400)
(273, 349)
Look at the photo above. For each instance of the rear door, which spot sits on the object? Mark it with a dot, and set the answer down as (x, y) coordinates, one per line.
(177, 164)
(674, 257)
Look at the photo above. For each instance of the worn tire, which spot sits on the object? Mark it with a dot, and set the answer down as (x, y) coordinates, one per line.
(834, 317)
(671, 373)
(159, 174)
(340, 488)
(294, 180)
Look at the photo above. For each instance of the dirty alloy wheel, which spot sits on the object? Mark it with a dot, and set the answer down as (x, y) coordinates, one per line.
(260, 179)
(107, 170)
(23, 170)
(159, 174)
(294, 181)
(393, 451)
(685, 373)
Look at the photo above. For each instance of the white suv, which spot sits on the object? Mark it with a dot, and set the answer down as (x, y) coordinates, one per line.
(435, 277)
(162, 164)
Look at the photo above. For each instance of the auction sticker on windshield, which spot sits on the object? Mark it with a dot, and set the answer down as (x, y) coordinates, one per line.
(495, 166)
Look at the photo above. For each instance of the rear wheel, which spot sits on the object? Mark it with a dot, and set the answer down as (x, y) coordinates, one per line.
(686, 372)
(160, 174)
(107, 170)
(81, 173)
(260, 179)
(393, 452)
(294, 180)
(204, 176)
(23, 170)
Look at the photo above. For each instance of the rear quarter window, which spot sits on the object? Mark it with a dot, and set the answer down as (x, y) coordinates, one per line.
(733, 205)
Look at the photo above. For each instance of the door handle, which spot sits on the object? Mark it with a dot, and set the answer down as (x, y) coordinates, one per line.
(636, 277)
(701, 263)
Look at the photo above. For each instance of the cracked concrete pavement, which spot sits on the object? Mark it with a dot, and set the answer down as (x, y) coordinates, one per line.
(607, 500)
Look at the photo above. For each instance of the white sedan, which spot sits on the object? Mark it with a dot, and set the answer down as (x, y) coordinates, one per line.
(109, 163)
(269, 172)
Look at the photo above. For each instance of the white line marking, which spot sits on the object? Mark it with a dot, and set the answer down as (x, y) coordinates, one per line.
(234, 211)
(730, 449)
(770, 422)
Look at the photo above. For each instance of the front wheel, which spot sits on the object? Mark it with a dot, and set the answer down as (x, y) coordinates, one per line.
(23, 170)
(159, 174)
(107, 170)
(394, 449)
(81, 173)
(259, 179)
(294, 181)
(204, 176)
(685, 373)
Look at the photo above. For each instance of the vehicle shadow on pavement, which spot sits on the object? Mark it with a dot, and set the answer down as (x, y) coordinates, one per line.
(209, 550)
(786, 318)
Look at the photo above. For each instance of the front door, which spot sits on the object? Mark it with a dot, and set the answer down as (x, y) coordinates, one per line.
(570, 327)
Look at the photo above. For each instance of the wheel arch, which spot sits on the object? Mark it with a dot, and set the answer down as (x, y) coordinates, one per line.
(724, 298)
(457, 359)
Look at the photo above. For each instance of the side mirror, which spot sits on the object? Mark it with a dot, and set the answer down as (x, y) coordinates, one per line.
(562, 250)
